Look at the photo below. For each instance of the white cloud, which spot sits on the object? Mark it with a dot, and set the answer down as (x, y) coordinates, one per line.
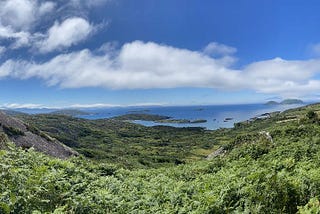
(25, 23)
(284, 77)
(18, 14)
(46, 7)
(62, 35)
(217, 49)
(73, 106)
(8, 68)
(140, 65)
(90, 3)
(18, 18)
(2, 50)
(17, 106)
(20, 38)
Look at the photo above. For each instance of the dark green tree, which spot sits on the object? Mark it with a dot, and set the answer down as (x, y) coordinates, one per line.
(312, 116)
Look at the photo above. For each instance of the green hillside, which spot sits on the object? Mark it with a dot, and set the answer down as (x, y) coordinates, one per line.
(124, 143)
(264, 166)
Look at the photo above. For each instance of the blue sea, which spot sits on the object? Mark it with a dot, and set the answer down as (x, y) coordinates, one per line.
(214, 114)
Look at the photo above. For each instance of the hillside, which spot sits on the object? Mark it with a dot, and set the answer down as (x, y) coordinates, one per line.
(268, 165)
(27, 136)
(125, 143)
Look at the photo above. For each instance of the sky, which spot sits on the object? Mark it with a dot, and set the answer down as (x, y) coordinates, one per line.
(96, 53)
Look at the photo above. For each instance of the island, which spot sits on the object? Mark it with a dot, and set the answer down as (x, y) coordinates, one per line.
(70, 112)
(156, 118)
(227, 119)
(138, 111)
(285, 102)
(291, 101)
(272, 103)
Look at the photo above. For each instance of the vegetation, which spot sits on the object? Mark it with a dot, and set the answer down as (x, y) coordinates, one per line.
(124, 143)
(291, 101)
(70, 112)
(272, 103)
(12, 131)
(270, 165)
(156, 118)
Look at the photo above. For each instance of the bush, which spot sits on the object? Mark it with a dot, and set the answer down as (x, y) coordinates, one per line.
(12, 132)
(312, 116)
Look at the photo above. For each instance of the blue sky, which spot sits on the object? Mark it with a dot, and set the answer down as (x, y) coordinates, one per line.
(173, 52)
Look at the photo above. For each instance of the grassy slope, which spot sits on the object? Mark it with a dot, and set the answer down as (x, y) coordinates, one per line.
(134, 145)
(126, 143)
(254, 176)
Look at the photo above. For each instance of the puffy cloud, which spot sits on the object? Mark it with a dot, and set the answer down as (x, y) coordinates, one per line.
(18, 14)
(217, 49)
(46, 7)
(289, 78)
(21, 15)
(62, 35)
(25, 23)
(139, 65)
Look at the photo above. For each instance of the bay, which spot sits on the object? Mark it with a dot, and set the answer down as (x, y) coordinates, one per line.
(214, 114)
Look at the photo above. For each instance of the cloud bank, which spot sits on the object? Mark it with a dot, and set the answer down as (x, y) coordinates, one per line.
(140, 65)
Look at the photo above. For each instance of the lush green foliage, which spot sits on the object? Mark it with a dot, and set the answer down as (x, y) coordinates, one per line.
(125, 143)
(255, 175)
(259, 177)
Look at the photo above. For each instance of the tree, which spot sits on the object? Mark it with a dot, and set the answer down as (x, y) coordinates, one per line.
(312, 116)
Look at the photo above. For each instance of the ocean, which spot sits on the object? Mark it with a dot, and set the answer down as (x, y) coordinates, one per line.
(214, 114)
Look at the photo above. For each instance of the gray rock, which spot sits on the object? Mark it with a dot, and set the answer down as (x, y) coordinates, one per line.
(22, 136)
(218, 152)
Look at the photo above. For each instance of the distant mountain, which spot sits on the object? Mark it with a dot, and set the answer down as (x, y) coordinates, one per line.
(285, 102)
(12, 112)
(26, 136)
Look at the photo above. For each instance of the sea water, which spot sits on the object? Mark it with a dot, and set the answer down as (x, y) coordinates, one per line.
(214, 114)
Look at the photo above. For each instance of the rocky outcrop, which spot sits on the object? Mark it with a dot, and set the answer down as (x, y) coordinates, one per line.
(267, 136)
(219, 152)
(25, 136)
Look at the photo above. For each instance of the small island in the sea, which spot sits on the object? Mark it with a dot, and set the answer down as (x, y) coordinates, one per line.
(156, 118)
(227, 119)
(70, 112)
(285, 102)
